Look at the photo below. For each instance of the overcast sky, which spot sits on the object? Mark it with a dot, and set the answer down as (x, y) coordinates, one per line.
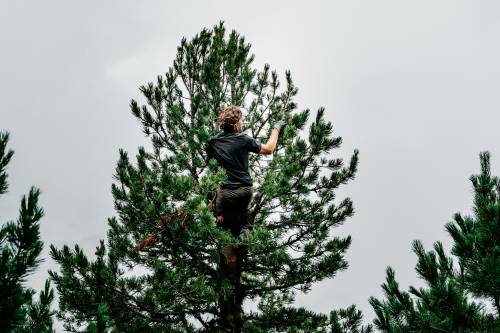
(414, 86)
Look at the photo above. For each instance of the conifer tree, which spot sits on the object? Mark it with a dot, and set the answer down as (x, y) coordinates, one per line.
(161, 269)
(477, 238)
(20, 248)
(446, 303)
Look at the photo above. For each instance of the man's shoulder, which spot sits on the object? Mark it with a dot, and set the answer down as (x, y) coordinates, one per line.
(216, 136)
(245, 136)
(230, 136)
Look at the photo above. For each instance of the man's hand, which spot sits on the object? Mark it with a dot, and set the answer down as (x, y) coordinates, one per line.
(280, 124)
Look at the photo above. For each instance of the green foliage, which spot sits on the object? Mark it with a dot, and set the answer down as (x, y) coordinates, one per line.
(102, 320)
(20, 248)
(445, 303)
(176, 283)
(5, 157)
(277, 318)
(38, 315)
(477, 238)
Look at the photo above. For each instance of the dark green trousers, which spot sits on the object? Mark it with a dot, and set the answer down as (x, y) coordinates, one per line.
(233, 205)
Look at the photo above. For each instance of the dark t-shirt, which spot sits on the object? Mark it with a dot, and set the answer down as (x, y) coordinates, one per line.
(231, 151)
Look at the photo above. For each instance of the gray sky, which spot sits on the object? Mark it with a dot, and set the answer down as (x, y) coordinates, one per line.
(413, 86)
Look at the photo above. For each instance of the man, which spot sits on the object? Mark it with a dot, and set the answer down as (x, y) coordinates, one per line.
(230, 148)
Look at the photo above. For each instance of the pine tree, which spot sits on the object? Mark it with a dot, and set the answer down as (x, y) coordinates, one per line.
(20, 248)
(477, 238)
(446, 303)
(175, 280)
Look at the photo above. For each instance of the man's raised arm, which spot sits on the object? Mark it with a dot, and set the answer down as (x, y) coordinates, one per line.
(270, 145)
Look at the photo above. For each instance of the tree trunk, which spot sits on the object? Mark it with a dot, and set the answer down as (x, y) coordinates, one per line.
(231, 305)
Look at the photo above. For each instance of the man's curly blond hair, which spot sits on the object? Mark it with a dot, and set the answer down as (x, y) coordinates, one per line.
(229, 117)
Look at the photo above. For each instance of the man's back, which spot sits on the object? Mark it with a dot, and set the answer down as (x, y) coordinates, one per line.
(231, 151)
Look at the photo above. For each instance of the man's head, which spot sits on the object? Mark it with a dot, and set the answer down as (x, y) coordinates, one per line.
(231, 119)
